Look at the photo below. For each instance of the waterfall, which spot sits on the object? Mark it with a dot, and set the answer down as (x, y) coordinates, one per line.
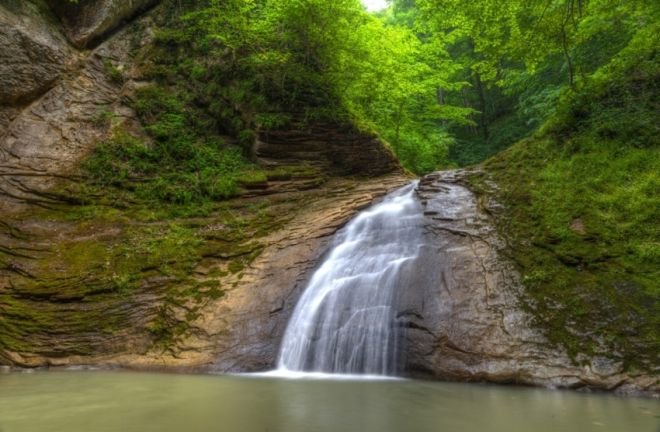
(345, 321)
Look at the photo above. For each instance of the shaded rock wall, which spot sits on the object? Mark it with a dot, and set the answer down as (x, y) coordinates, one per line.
(70, 98)
(86, 22)
(337, 148)
(460, 309)
(250, 321)
(58, 308)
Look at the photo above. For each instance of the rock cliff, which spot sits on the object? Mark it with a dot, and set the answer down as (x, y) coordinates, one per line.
(53, 100)
(33, 53)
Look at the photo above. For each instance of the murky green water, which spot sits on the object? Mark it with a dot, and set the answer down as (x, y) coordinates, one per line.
(122, 401)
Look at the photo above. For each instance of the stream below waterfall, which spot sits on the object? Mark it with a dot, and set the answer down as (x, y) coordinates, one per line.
(137, 402)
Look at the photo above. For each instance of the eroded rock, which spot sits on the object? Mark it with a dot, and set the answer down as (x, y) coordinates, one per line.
(249, 322)
(333, 147)
(60, 294)
(237, 331)
(461, 308)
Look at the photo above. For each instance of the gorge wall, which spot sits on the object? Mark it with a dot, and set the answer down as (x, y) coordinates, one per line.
(94, 278)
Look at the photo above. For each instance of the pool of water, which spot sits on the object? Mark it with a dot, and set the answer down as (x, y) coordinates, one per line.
(126, 401)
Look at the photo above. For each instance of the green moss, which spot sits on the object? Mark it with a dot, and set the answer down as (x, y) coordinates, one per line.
(302, 171)
(25, 321)
(166, 330)
(138, 227)
(254, 177)
(102, 272)
(110, 259)
(92, 212)
(104, 118)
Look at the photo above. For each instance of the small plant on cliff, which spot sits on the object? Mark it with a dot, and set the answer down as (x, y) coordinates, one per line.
(115, 74)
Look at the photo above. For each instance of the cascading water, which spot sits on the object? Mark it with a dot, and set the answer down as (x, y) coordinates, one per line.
(345, 322)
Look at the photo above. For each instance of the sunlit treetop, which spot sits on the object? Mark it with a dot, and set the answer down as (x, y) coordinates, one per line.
(374, 5)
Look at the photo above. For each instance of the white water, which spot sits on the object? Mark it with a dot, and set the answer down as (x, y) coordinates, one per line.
(345, 322)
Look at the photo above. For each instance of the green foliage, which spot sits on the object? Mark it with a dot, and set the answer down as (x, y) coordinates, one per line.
(257, 65)
(104, 118)
(182, 165)
(390, 80)
(444, 82)
(270, 121)
(519, 57)
(120, 159)
(581, 194)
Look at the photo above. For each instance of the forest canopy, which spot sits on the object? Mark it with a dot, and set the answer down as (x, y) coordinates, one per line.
(444, 82)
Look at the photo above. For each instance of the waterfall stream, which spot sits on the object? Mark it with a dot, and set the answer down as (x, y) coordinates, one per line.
(345, 321)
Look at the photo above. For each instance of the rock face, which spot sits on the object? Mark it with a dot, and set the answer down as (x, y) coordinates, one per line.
(55, 104)
(462, 312)
(33, 53)
(336, 148)
(42, 142)
(87, 21)
(89, 290)
(251, 330)
(63, 302)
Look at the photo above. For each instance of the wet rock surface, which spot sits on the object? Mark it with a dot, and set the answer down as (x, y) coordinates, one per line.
(462, 313)
(255, 314)
(460, 308)
(60, 294)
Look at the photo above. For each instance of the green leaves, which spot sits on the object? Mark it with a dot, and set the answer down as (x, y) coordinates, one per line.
(272, 59)
(411, 73)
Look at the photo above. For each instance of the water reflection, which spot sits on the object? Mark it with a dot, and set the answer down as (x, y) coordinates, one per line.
(104, 401)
